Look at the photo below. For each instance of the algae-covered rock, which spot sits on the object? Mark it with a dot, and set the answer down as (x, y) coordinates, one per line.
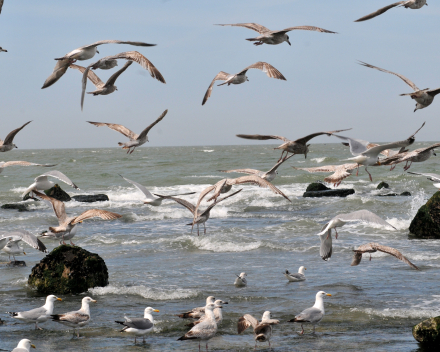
(316, 186)
(17, 206)
(90, 198)
(68, 269)
(428, 331)
(426, 223)
(54, 192)
(383, 185)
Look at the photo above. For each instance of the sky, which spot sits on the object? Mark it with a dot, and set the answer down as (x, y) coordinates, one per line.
(325, 89)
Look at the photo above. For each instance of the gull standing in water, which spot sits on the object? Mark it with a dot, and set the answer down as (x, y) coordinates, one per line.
(408, 4)
(262, 329)
(37, 315)
(432, 177)
(139, 326)
(42, 183)
(25, 344)
(21, 163)
(13, 238)
(198, 312)
(217, 313)
(7, 145)
(241, 77)
(312, 315)
(300, 276)
(241, 281)
(423, 97)
(136, 140)
(273, 37)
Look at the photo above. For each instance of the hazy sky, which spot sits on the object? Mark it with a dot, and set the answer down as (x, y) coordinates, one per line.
(325, 89)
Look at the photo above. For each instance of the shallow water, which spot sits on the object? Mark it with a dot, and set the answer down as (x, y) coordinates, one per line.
(154, 260)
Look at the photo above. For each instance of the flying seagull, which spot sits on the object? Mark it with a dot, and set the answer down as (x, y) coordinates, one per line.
(273, 37)
(300, 276)
(416, 156)
(42, 183)
(139, 326)
(298, 146)
(432, 177)
(198, 312)
(1, 5)
(7, 145)
(4, 164)
(423, 97)
(262, 329)
(374, 247)
(241, 77)
(1, 49)
(11, 246)
(135, 139)
(340, 172)
(408, 4)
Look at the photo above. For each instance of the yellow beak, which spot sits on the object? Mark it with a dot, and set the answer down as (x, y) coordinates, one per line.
(305, 268)
(24, 253)
(94, 301)
(378, 163)
(59, 299)
(33, 346)
(156, 310)
(328, 294)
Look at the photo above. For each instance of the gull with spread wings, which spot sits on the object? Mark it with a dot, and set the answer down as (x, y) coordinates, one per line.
(340, 172)
(415, 156)
(9, 242)
(262, 329)
(7, 145)
(408, 4)
(241, 77)
(136, 140)
(273, 37)
(4, 164)
(42, 183)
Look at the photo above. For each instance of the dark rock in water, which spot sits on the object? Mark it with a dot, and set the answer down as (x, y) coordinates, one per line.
(316, 186)
(406, 194)
(54, 192)
(383, 185)
(91, 198)
(394, 194)
(2, 322)
(428, 331)
(18, 206)
(17, 263)
(68, 269)
(343, 192)
(426, 223)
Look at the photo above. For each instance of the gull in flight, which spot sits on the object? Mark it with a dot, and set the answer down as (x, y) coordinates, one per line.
(432, 177)
(312, 315)
(4, 164)
(139, 326)
(11, 246)
(75, 319)
(1, 5)
(298, 146)
(262, 329)
(154, 200)
(339, 221)
(241, 281)
(136, 140)
(217, 313)
(198, 312)
(25, 344)
(408, 4)
(37, 315)
(241, 77)
(42, 183)
(416, 156)
(273, 37)
(423, 97)
(300, 276)
(374, 247)
(7, 145)
(3, 50)
(340, 172)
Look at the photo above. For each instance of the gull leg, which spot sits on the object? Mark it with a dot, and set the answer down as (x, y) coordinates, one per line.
(143, 339)
(409, 166)
(204, 226)
(206, 346)
(73, 244)
(302, 330)
(281, 156)
(406, 165)
(132, 150)
(198, 232)
(258, 43)
(336, 233)
(135, 340)
(269, 345)
(357, 171)
(370, 257)
(314, 328)
(255, 345)
(199, 346)
(371, 178)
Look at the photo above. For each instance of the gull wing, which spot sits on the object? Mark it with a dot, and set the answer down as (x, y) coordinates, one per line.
(221, 76)
(1, 5)
(111, 81)
(242, 171)
(183, 202)
(431, 177)
(245, 321)
(305, 139)
(115, 42)
(118, 128)
(256, 180)
(140, 188)
(4, 240)
(146, 130)
(326, 248)
(91, 76)
(138, 323)
(219, 200)
(433, 92)
(254, 26)
(379, 12)
(58, 71)
(29, 238)
(309, 315)
(95, 213)
(357, 257)
(270, 71)
(363, 215)
(262, 137)
(278, 164)
(32, 314)
(76, 317)
(378, 149)
(403, 78)
(58, 175)
(341, 173)
(327, 168)
(357, 146)
(24, 163)
(10, 137)
(57, 206)
(306, 28)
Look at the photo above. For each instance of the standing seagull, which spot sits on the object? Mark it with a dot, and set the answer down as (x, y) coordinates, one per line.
(312, 315)
(296, 277)
(262, 329)
(135, 139)
(273, 37)
(431, 177)
(298, 146)
(25, 344)
(408, 4)
(241, 77)
(13, 238)
(21, 163)
(42, 183)
(7, 145)
(217, 313)
(197, 312)
(139, 326)
(423, 97)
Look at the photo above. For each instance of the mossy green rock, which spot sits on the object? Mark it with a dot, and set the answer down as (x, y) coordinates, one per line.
(383, 185)
(428, 331)
(426, 223)
(68, 269)
(316, 186)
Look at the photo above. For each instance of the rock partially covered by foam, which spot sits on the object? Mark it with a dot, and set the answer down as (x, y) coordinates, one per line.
(426, 223)
(317, 189)
(428, 331)
(68, 269)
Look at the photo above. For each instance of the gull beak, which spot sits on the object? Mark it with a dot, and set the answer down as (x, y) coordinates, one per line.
(24, 253)
(59, 299)
(156, 310)
(33, 346)
(225, 303)
(288, 42)
(97, 51)
(93, 300)
(305, 268)
(328, 294)
(16, 147)
(378, 163)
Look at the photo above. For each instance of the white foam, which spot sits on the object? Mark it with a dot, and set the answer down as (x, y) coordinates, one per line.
(208, 150)
(400, 313)
(157, 294)
(319, 160)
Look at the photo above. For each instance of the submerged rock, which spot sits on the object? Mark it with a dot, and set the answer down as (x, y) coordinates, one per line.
(316, 186)
(426, 223)
(68, 269)
(17, 263)
(17, 206)
(343, 192)
(91, 198)
(428, 331)
(405, 194)
(383, 185)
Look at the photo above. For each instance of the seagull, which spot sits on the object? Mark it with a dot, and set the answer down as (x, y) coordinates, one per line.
(312, 315)
(60, 236)
(42, 183)
(416, 156)
(152, 199)
(198, 312)
(431, 177)
(4, 241)
(298, 146)
(423, 97)
(411, 4)
(273, 37)
(37, 315)
(241, 281)
(262, 329)
(241, 77)
(135, 139)
(205, 330)
(66, 224)
(199, 217)
(77, 318)
(4, 164)
(296, 277)
(340, 172)
(339, 221)
(374, 247)
(12, 247)
(1, 49)
(217, 313)
(1, 5)
(7, 145)
(25, 344)
(139, 326)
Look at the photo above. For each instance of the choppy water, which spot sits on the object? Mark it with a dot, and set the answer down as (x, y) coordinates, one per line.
(154, 260)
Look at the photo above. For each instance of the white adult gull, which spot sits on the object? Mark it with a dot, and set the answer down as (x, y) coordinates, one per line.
(136, 140)
(24, 345)
(12, 242)
(408, 4)
(4, 164)
(42, 183)
(273, 37)
(241, 281)
(7, 145)
(198, 312)
(295, 277)
(432, 177)
(262, 329)
(139, 326)
(37, 315)
(241, 77)
(217, 313)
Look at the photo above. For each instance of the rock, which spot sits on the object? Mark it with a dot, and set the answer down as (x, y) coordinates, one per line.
(68, 269)
(343, 192)
(2, 322)
(17, 263)
(316, 186)
(426, 223)
(428, 331)
(18, 206)
(406, 194)
(383, 185)
(54, 192)
(91, 198)
(394, 194)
